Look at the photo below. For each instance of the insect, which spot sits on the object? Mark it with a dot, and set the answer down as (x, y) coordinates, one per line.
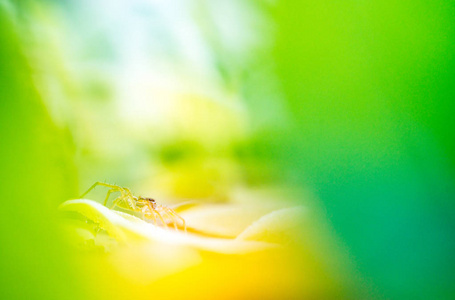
(146, 206)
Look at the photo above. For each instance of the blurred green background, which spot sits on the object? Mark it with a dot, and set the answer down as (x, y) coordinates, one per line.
(351, 102)
(371, 89)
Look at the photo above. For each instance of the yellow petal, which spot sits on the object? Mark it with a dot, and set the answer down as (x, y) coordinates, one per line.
(143, 264)
(224, 220)
(125, 227)
(281, 226)
(118, 225)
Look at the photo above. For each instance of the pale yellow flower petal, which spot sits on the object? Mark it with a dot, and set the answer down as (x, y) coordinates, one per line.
(118, 225)
(281, 226)
(125, 227)
(224, 220)
(142, 264)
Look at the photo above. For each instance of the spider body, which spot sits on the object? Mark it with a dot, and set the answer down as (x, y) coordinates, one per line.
(146, 206)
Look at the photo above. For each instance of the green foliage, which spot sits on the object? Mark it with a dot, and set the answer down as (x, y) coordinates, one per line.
(370, 87)
(36, 174)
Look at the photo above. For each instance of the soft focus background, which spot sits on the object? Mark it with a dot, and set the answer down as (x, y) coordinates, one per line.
(346, 108)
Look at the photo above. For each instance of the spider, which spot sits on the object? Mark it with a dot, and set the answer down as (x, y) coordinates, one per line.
(146, 206)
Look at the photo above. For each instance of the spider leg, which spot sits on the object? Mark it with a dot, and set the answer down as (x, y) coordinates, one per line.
(116, 201)
(143, 212)
(170, 217)
(173, 213)
(154, 218)
(147, 209)
(144, 208)
(112, 186)
(91, 188)
(127, 190)
(159, 216)
(113, 190)
(130, 198)
(150, 207)
(107, 196)
(130, 202)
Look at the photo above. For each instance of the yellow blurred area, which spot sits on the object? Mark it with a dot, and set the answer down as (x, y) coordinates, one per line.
(209, 179)
(263, 275)
(270, 259)
(213, 122)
